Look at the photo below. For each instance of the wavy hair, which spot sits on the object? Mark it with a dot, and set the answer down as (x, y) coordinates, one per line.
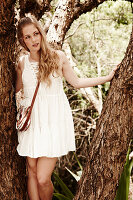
(49, 59)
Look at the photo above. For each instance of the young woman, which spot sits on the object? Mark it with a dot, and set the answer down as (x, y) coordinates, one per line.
(51, 133)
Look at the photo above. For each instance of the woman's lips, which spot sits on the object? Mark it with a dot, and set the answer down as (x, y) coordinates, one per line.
(35, 45)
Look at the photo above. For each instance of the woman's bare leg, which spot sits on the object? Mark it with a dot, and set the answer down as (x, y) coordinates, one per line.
(45, 167)
(32, 179)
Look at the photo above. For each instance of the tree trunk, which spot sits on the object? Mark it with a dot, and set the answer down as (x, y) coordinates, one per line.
(12, 166)
(114, 131)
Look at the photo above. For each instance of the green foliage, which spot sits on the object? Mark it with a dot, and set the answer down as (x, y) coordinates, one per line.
(119, 11)
(101, 37)
(61, 196)
(67, 193)
(123, 189)
(81, 168)
(53, 5)
(76, 176)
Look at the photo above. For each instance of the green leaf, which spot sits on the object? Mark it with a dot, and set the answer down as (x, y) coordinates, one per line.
(131, 165)
(74, 175)
(79, 173)
(123, 189)
(61, 196)
(65, 189)
(78, 162)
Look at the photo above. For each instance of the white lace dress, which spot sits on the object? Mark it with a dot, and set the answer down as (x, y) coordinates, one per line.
(51, 132)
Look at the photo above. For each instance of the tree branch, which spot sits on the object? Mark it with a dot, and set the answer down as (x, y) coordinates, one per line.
(74, 30)
(66, 12)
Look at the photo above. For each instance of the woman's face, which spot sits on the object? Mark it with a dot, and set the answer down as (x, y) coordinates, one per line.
(31, 37)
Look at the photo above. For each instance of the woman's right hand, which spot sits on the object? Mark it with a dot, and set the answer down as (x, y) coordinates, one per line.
(112, 73)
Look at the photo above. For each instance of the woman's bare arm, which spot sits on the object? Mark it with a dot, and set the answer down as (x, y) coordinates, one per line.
(70, 75)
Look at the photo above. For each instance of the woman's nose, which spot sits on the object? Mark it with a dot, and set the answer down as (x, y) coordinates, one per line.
(33, 39)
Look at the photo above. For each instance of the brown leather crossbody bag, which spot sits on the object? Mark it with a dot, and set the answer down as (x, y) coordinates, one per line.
(24, 114)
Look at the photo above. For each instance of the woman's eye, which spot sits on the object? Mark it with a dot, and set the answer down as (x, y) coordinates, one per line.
(36, 33)
(27, 37)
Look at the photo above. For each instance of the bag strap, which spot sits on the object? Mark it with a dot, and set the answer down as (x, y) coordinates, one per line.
(32, 103)
(34, 97)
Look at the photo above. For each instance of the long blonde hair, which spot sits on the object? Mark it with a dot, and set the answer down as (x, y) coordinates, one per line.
(49, 58)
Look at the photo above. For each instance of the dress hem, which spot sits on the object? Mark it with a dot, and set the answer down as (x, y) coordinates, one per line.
(42, 155)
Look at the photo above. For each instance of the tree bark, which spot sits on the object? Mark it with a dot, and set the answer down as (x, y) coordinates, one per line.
(35, 7)
(12, 167)
(107, 153)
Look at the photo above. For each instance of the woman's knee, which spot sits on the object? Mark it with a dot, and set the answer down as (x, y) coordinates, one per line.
(32, 167)
(45, 167)
(43, 181)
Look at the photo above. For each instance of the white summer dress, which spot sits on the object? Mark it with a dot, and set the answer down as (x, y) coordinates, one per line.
(51, 132)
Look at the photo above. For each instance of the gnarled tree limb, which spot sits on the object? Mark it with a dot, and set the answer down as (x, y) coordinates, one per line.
(66, 12)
